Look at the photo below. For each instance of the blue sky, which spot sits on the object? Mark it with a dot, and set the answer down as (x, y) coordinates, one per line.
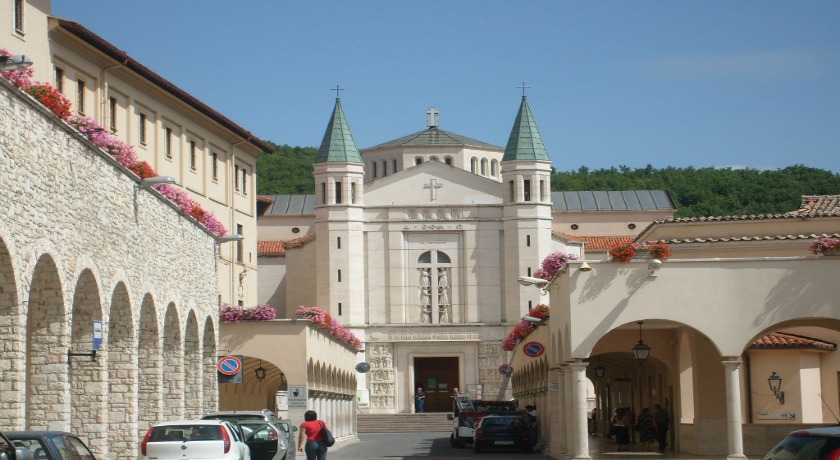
(668, 83)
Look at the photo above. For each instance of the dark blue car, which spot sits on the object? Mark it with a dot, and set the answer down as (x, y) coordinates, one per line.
(51, 445)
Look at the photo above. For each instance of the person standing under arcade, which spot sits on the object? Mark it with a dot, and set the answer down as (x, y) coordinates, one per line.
(420, 401)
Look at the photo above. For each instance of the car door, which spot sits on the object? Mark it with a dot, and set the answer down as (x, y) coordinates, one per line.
(264, 440)
(81, 450)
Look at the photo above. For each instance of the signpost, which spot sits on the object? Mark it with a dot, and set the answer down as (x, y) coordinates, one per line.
(230, 369)
(97, 334)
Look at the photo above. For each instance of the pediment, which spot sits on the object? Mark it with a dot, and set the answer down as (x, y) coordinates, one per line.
(432, 184)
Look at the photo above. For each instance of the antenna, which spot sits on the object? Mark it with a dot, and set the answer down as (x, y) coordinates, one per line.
(829, 409)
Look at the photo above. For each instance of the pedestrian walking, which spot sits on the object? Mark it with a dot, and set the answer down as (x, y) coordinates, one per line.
(311, 439)
(646, 429)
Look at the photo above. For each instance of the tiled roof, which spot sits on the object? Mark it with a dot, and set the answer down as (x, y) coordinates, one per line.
(291, 205)
(338, 145)
(782, 340)
(433, 136)
(278, 248)
(747, 238)
(569, 237)
(604, 243)
(818, 206)
(123, 58)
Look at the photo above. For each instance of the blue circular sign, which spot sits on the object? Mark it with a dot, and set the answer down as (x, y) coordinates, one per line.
(533, 349)
(229, 365)
(506, 370)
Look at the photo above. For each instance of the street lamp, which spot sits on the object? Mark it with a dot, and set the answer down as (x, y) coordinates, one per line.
(641, 351)
(14, 62)
(600, 370)
(775, 382)
(158, 180)
(229, 238)
(531, 281)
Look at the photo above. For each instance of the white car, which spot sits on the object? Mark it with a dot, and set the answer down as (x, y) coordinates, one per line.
(194, 439)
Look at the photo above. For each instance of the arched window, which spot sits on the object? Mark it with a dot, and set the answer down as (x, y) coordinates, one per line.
(434, 288)
(484, 167)
(418, 160)
(474, 165)
(374, 170)
(494, 168)
(448, 160)
(433, 158)
(384, 168)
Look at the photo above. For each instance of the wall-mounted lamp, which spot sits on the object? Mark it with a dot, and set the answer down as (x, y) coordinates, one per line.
(260, 372)
(229, 238)
(775, 382)
(584, 267)
(14, 62)
(531, 281)
(653, 267)
(158, 180)
(641, 351)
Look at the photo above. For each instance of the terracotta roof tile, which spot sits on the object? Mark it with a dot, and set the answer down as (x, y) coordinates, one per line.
(278, 248)
(818, 206)
(746, 238)
(604, 243)
(782, 340)
(569, 237)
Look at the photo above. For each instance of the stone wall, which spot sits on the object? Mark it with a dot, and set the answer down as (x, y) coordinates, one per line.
(82, 240)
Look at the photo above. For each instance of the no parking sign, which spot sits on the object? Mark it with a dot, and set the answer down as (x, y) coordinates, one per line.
(230, 369)
(533, 349)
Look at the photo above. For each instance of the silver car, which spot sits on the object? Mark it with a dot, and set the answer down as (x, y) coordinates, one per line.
(287, 430)
(808, 444)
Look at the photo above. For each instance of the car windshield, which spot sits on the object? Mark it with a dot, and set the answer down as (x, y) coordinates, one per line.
(806, 447)
(499, 421)
(258, 432)
(186, 433)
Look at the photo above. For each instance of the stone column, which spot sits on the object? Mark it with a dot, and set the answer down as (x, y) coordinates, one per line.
(733, 410)
(568, 434)
(580, 434)
(555, 416)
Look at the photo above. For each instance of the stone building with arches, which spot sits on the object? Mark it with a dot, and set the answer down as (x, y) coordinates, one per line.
(84, 243)
(741, 301)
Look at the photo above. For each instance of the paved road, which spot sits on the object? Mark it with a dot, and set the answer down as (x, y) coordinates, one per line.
(412, 445)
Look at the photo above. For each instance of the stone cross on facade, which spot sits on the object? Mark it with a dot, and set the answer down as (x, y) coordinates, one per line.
(432, 117)
(433, 186)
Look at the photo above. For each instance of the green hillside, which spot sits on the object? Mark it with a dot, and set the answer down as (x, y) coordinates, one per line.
(697, 192)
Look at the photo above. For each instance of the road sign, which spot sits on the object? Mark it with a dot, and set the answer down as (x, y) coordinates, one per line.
(506, 370)
(97, 334)
(297, 396)
(533, 349)
(229, 365)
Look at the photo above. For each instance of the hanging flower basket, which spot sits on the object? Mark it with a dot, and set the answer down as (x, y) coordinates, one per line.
(552, 264)
(660, 251)
(623, 252)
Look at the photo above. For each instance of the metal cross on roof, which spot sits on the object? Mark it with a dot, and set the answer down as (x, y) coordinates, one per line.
(337, 89)
(523, 88)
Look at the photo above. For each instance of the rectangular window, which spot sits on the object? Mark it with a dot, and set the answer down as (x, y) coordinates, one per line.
(18, 15)
(527, 240)
(241, 303)
(59, 79)
(529, 271)
(512, 192)
(374, 169)
(339, 309)
(142, 129)
(395, 166)
(323, 193)
(244, 181)
(543, 196)
(112, 114)
(530, 304)
(527, 195)
(339, 276)
(167, 142)
(338, 193)
(352, 192)
(193, 159)
(80, 97)
(236, 178)
(384, 168)
(240, 245)
(338, 242)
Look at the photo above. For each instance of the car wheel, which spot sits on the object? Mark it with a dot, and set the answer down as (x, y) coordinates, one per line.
(476, 446)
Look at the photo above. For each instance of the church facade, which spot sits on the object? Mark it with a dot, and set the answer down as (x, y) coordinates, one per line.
(417, 244)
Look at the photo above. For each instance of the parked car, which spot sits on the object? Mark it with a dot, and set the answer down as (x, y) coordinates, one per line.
(183, 439)
(239, 416)
(808, 444)
(8, 451)
(50, 445)
(265, 439)
(503, 432)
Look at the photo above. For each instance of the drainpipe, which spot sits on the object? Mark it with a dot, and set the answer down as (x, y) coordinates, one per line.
(232, 196)
(103, 96)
